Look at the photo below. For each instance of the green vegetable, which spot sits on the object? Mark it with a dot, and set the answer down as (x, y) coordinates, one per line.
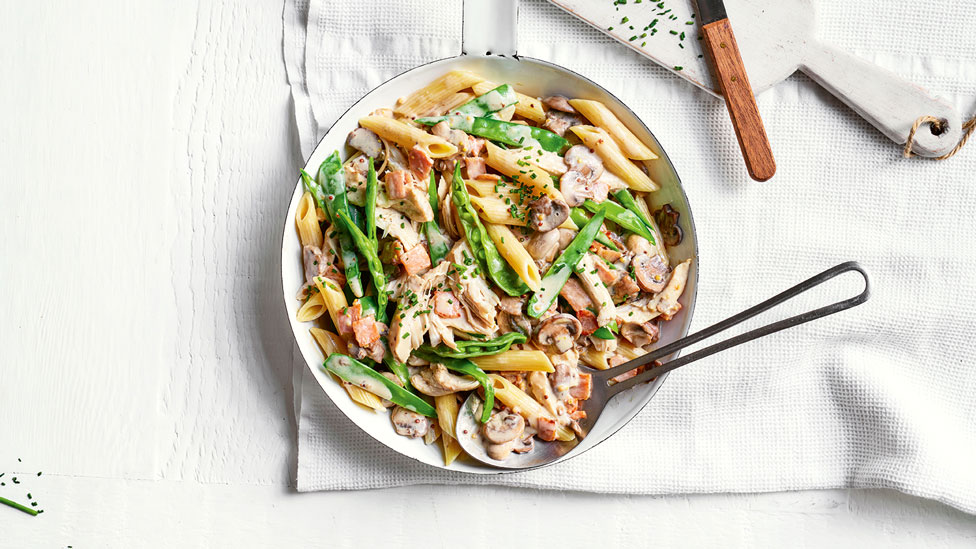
(352, 371)
(560, 270)
(606, 332)
(18, 506)
(329, 191)
(371, 189)
(489, 102)
(371, 254)
(580, 218)
(398, 368)
(437, 241)
(624, 197)
(468, 368)
(621, 216)
(368, 305)
(473, 348)
(484, 249)
(517, 135)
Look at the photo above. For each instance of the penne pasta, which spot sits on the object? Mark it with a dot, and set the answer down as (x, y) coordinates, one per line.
(447, 412)
(598, 140)
(513, 252)
(527, 107)
(433, 433)
(332, 298)
(453, 102)
(596, 359)
(599, 115)
(452, 449)
(494, 210)
(407, 136)
(307, 221)
(483, 187)
(510, 162)
(328, 341)
(524, 405)
(313, 308)
(435, 95)
(515, 360)
(628, 350)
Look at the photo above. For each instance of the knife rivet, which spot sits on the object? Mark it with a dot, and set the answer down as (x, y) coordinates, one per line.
(722, 45)
(734, 78)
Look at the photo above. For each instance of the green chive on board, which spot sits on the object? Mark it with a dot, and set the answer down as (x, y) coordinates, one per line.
(776, 39)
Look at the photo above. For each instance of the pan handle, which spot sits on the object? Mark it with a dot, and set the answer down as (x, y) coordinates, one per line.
(489, 27)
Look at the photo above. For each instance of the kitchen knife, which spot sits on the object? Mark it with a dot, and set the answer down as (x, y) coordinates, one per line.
(721, 47)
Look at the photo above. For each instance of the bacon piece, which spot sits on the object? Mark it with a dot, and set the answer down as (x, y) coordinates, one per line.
(577, 415)
(546, 428)
(420, 163)
(584, 388)
(367, 331)
(605, 252)
(587, 320)
(347, 318)
(608, 275)
(475, 166)
(415, 260)
(447, 305)
(575, 295)
(398, 183)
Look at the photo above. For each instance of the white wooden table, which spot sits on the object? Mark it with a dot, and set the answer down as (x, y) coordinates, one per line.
(146, 153)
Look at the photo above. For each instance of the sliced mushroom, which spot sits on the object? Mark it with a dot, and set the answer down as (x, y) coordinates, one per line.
(640, 334)
(577, 187)
(438, 381)
(651, 272)
(512, 305)
(505, 426)
(543, 246)
(558, 122)
(545, 214)
(583, 159)
(409, 424)
(366, 141)
(524, 444)
(514, 323)
(559, 332)
(667, 222)
(560, 103)
(640, 245)
(624, 289)
(500, 451)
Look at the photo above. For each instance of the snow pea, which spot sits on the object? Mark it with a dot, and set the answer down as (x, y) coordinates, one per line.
(473, 348)
(352, 371)
(580, 218)
(510, 133)
(627, 200)
(482, 246)
(621, 216)
(559, 272)
(371, 254)
(437, 241)
(489, 102)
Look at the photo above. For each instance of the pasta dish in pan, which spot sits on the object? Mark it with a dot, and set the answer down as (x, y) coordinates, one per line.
(473, 238)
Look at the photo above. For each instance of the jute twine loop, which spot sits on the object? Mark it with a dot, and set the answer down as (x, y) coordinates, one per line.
(967, 130)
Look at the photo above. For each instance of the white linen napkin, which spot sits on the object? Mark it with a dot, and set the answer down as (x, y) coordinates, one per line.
(878, 396)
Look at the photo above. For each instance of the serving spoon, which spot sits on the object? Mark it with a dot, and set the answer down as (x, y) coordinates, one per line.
(468, 426)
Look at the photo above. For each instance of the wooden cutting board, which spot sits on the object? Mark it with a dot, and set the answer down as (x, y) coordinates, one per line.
(776, 38)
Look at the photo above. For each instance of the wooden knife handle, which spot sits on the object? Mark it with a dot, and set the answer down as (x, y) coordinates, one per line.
(734, 82)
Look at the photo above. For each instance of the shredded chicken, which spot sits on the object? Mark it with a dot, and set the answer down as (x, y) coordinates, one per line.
(589, 275)
(411, 321)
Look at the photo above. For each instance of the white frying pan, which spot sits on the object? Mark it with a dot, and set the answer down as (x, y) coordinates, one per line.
(488, 27)
(776, 38)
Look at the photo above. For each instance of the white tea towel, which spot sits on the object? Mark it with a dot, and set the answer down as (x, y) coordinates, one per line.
(878, 396)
